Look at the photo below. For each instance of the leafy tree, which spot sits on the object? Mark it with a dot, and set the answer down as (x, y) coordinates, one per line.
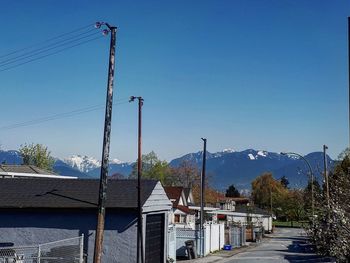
(265, 188)
(293, 207)
(330, 231)
(185, 175)
(152, 168)
(307, 196)
(231, 191)
(38, 155)
(284, 181)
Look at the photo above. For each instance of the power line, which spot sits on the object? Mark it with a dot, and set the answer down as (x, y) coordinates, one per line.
(50, 54)
(47, 48)
(60, 115)
(45, 41)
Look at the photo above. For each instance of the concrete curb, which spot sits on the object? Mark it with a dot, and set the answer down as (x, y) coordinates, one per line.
(222, 255)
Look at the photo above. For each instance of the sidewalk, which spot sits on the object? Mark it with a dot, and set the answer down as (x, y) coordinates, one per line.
(222, 255)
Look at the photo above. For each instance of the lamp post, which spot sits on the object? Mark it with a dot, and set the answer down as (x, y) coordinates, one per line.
(139, 174)
(312, 180)
(106, 144)
(202, 196)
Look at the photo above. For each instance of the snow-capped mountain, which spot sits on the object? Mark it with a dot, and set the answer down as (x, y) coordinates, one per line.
(224, 168)
(240, 168)
(92, 167)
(82, 163)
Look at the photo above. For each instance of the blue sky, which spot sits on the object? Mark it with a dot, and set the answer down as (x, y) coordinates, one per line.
(262, 74)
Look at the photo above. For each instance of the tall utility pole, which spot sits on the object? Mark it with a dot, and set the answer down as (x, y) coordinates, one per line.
(202, 196)
(140, 257)
(325, 172)
(105, 148)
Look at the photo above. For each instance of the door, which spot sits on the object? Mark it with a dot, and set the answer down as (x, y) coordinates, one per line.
(154, 247)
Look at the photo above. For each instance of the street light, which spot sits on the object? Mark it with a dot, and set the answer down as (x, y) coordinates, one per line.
(139, 174)
(312, 179)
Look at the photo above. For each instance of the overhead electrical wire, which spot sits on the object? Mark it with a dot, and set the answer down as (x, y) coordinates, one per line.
(50, 54)
(47, 40)
(60, 115)
(42, 50)
(47, 48)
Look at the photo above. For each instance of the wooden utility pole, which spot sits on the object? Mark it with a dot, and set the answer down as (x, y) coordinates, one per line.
(140, 256)
(105, 149)
(203, 196)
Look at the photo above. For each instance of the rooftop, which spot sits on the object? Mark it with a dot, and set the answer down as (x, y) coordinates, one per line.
(62, 193)
(30, 169)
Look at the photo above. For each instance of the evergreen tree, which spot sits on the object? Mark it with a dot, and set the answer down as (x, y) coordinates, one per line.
(284, 181)
(231, 191)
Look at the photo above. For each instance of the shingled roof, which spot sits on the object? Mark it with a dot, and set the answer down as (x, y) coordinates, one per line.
(174, 193)
(79, 193)
(30, 169)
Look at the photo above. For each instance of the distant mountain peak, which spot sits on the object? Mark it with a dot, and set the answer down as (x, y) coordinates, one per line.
(115, 161)
(228, 150)
(82, 162)
(262, 153)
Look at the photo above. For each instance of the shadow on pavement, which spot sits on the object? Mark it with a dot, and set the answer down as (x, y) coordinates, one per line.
(301, 251)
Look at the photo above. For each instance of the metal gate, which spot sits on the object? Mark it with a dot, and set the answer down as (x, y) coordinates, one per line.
(62, 251)
(154, 249)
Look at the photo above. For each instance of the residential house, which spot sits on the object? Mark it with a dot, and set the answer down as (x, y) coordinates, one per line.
(42, 210)
(181, 215)
(245, 215)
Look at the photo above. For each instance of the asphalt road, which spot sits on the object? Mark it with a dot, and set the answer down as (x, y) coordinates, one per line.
(285, 245)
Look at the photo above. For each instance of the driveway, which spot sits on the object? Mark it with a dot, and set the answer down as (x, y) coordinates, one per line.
(285, 245)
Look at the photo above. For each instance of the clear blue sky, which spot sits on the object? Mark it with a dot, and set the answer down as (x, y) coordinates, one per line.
(262, 74)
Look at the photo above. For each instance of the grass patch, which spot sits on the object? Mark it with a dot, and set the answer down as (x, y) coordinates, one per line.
(290, 224)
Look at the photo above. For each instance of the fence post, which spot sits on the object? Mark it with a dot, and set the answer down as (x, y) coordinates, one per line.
(81, 258)
(39, 253)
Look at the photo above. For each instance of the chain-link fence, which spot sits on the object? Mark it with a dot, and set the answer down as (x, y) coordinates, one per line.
(63, 251)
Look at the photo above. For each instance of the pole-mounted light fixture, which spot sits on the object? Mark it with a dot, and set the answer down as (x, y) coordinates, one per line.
(312, 179)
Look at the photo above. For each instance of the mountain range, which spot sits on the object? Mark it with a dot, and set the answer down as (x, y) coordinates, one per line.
(223, 168)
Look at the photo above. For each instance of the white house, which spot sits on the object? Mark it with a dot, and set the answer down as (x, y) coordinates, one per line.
(246, 215)
(181, 215)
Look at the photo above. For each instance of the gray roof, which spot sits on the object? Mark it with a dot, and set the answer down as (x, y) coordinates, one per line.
(31, 169)
(77, 193)
(251, 210)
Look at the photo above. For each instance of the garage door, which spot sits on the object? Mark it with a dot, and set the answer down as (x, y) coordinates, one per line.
(154, 249)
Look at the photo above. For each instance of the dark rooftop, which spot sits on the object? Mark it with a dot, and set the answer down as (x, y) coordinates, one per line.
(75, 193)
(31, 169)
(174, 193)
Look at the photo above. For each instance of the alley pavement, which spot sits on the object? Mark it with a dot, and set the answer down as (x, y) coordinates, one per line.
(285, 245)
